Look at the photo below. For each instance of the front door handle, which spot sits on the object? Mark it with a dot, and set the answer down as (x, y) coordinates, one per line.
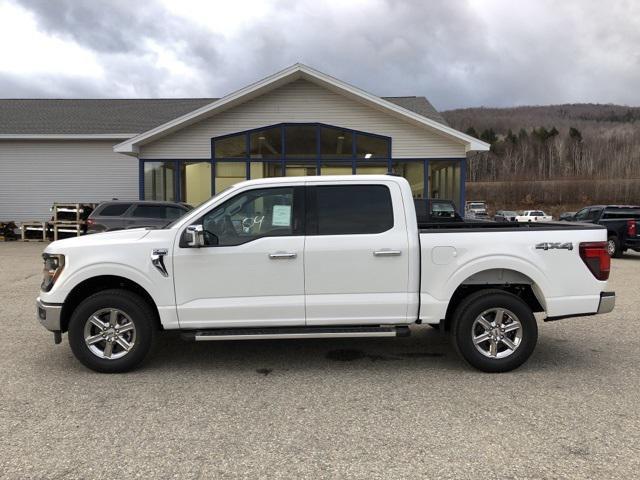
(281, 255)
(385, 252)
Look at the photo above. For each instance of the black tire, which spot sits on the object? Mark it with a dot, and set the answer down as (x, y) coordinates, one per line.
(139, 313)
(462, 330)
(613, 247)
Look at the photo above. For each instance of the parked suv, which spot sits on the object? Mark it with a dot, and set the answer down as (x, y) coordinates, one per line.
(118, 215)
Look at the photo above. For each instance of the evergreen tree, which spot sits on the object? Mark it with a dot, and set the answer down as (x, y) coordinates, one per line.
(489, 136)
(522, 134)
(472, 131)
(575, 134)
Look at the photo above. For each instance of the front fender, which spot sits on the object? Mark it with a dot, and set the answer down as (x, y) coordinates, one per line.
(66, 284)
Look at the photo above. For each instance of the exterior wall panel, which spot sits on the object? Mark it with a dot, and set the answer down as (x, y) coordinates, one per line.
(303, 101)
(34, 174)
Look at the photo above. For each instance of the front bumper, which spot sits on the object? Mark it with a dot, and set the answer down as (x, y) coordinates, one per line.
(48, 315)
(607, 302)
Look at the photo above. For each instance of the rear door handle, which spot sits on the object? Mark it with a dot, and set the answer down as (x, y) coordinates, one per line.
(280, 255)
(385, 252)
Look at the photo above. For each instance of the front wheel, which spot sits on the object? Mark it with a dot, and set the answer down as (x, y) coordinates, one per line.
(112, 331)
(494, 331)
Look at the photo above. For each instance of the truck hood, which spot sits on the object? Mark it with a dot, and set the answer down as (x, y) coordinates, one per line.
(117, 237)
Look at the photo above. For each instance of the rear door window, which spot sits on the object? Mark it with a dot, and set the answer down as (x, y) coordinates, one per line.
(350, 209)
(113, 210)
(621, 213)
(162, 212)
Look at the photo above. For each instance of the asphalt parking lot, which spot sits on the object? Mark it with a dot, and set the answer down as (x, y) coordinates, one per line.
(379, 408)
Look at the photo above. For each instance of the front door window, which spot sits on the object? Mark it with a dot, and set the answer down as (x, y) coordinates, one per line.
(250, 215)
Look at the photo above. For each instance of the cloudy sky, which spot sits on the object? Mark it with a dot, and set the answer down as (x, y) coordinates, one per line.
(456, 52)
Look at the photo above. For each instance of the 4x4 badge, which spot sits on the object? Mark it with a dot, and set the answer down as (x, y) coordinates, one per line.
(555, 246)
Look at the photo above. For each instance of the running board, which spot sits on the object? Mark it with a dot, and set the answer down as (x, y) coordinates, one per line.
(294, 332)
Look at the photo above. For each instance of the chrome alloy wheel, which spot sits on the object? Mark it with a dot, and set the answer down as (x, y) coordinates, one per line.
(496, 333)
(611, 247)
(109, 333)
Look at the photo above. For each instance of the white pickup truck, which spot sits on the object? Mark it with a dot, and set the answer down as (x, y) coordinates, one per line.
(534, 216)
(320, 257)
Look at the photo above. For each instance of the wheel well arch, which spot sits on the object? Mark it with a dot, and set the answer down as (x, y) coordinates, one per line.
(507, 280)
(97, 284)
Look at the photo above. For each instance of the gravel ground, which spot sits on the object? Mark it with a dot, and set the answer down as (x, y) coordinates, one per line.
(379, 408)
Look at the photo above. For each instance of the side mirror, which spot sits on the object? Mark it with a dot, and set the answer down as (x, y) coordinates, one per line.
(195, 236)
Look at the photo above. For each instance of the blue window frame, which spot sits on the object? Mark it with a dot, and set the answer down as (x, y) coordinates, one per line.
(267, 152)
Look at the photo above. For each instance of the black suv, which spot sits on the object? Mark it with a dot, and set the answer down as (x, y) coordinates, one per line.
(118, 215)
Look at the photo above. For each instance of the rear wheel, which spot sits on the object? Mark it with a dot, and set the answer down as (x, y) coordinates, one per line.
(494, 331)
(613, 247)
(112, 331)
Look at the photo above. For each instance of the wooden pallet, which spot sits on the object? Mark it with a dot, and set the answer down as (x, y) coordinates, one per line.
(66, 227)
(33, 226)
(77, 209)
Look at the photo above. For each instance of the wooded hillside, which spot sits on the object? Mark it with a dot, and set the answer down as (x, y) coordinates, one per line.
(558, 157)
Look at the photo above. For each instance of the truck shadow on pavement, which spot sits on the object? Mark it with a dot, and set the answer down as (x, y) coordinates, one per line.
(426, 349)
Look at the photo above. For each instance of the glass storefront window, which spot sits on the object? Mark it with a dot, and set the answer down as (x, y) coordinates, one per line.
(335, 143)
(195, 182)
(229, 173)
(444, 180)
(265, 169)
(231, 147)
(371, 168)
(266, 143)
(298, 169)
(414, 173)
(301, 141)
(336, 168)
(368, 146)
(159, 181)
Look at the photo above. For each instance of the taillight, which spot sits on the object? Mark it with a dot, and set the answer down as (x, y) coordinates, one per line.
(596, 258)
(632, 228)
(91, 221)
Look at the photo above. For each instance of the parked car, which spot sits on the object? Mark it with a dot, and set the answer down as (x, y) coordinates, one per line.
(118, 215)
(320, 257)
(533, 216)
(432, 210)
(475, 209)
(567, 216)
(505, 216)
(621, 222)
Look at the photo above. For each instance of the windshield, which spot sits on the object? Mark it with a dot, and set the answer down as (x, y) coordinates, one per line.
(446, 210)
(479, 206)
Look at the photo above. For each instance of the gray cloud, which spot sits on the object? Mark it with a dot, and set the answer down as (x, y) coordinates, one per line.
(536, 52)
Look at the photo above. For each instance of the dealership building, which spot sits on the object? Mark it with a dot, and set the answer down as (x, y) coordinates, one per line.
(296, 122)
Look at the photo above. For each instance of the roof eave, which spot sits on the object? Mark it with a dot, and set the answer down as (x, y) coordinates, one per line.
(67, 136)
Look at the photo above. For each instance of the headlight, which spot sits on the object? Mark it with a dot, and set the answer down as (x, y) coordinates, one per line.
(53, 265)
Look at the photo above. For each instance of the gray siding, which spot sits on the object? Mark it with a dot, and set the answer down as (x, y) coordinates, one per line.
(34, 174)
(303, 101)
